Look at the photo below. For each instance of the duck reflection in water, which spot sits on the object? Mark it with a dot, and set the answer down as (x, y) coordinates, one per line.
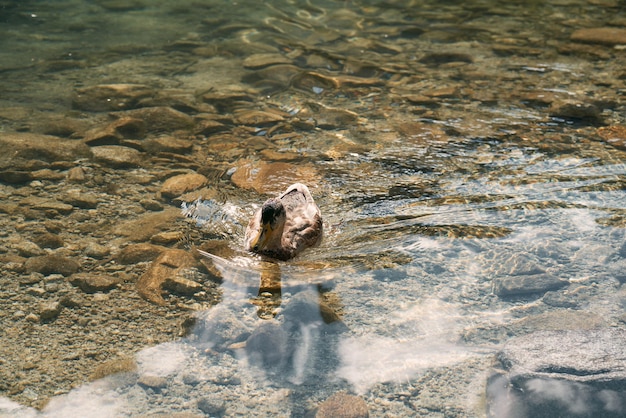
(300, 343)
(299, 340)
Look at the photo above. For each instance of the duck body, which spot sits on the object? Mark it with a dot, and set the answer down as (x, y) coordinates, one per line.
(285, 225)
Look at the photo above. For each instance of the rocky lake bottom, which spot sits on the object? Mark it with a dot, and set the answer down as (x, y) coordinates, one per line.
(469, 161)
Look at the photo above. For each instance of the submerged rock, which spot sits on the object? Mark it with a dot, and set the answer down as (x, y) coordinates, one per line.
(272, 177)
(108, 97)
(342, 405)
(91, 283)
(613, 135)
(267, 346)
(160, 118)
(561, 373)
(328, 117)
(264, 60)
(27, 146)
(117, 156)
(137, 253)
(219, 327)
(521, 274)
(25, 155)
(181, 285)
(114, 366)
(81, 200)
(183, 183)
(52, 263)
(28, 249)
(44, 204)
(257, 117)
(577, 111)
(150, 284)
(144, 227)
(594, 355)
(50, 310)
(527, 284)
(116, 131)
(212, 405)
(153, 382)
(604, 36)
(166, 144)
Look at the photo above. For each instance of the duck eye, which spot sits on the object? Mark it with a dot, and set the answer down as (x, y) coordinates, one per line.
(271, 210)
(267, 214)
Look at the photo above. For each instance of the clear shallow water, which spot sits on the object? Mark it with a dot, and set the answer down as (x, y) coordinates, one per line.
(444, 159)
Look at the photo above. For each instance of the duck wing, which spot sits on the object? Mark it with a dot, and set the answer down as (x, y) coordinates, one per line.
(303, 226)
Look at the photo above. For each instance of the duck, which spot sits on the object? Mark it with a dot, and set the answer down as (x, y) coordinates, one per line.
(286, 225)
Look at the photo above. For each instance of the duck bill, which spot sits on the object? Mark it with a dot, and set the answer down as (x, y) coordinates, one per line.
(262, 237)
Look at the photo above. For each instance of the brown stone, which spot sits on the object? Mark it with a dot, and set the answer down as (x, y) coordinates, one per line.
(264, 60)
(183, 183)
(604, 36)
(52, 263)
(129, 127)
(613, 135)
(151, 204)
(167, 237)
(257, 117)
(48, 240)
(569, 109)
(147, 225)
(328, 117)
(149, 286)
(101, 136)
(48, 311)
(46, 174)
(81, 200)
(117, 156)
(41, 203)
(28, 249)
(153, 382)
(61, 126)
(442, 93)
(342, 405)
(91, 283)
(275, 76)
(111, 367)
(113, 133)
(76, 175)
(95, 250)
(204, 193)
(161, 118)
(225, 100)
(23, 147)
(181, 285)
(166, 144)
(273, 177)
(109, 97)
(137, 253)
(209, 126)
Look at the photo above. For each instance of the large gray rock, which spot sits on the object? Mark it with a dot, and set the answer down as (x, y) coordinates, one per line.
(526, 284)
(597, 355)
(578, 373)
